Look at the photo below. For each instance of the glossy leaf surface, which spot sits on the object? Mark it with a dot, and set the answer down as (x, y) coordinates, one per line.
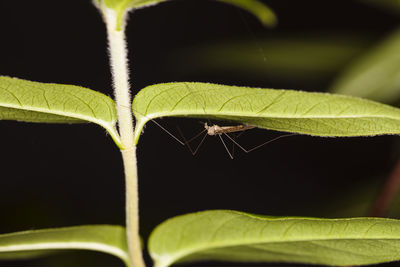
(236, 236)
(108, 239)
(28, 101)
(317, 114)
(376, 75)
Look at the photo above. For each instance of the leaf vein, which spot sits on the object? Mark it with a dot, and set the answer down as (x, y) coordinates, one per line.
(12, 94)
(273, 102)
(83, 101)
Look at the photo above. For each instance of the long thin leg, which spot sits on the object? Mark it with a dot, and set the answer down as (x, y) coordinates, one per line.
(194, 137)
(191, 139)
(201, 142)
(159, 125)
(236, 137)
(256, 147)
(233, 144)
(227, 150)
(165, 130)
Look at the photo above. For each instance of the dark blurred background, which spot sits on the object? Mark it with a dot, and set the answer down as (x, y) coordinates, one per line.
(64, 175)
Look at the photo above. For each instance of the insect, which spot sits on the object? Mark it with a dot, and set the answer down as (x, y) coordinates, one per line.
(216, 130)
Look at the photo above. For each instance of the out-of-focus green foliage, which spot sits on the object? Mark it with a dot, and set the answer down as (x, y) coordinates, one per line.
(261, 11)
(392, 5)
(376, 75)
(121, 7)
(357, 200)
(295, 57)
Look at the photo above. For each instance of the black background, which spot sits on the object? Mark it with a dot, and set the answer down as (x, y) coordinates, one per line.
(64, 175)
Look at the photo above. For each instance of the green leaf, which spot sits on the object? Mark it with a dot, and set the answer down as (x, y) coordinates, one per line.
(108, 239)
(28, 101)
(236, 236)
(376, 75)
(319, 114)
(122, 7)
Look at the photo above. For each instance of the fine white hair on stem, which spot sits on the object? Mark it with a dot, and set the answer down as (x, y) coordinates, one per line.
(118, 54)
(119, 69)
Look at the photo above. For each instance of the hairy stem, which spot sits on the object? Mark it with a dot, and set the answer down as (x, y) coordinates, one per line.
(120, 73)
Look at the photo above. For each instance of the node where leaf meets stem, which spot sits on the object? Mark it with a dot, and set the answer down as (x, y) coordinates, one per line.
(120, 73)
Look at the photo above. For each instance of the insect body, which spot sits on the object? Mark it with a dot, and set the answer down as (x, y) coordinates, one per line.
(215, 129)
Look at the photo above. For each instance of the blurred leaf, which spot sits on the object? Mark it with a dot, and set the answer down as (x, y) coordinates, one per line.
(121, 7)
(235, 236)
(317, 114)
(28, 101)
(391, 5)
(376, 75)
(394, 208)
(299, 58)
(108, 239)
(257, 8)
(356, 200)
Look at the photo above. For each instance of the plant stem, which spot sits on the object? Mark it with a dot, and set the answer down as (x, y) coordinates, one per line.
(120, 73)
(132, 208)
